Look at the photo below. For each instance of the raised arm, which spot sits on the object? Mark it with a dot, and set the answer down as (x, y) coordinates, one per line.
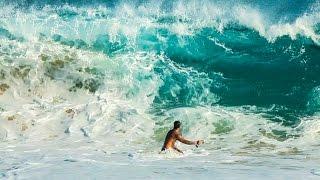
(185, 141)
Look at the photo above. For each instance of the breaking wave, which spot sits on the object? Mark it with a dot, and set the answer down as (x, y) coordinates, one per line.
(127, 69)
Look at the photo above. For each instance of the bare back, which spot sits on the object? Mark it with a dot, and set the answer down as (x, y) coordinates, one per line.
(170, 139)
(172, 136)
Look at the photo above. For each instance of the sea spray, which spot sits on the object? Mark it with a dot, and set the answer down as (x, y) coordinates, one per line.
(112, 77)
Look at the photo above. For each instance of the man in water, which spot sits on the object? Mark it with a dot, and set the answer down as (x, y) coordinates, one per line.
(175, 134)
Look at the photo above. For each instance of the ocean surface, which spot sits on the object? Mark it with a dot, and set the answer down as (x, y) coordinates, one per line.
(89, 89)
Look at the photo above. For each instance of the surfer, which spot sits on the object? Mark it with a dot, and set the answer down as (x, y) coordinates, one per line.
(175, 134)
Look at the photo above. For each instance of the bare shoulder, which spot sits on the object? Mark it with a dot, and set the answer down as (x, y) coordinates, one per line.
(176, 133)
(170, 133)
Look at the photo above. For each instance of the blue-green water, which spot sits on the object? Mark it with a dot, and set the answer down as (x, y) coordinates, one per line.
(266, 60)
(238, 70)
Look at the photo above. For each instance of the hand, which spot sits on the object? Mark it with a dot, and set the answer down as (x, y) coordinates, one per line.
(199, 142)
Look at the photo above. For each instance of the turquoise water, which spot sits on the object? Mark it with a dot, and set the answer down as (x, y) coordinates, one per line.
(242, 75)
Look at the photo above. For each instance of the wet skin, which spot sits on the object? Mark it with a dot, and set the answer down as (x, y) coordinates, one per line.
(172, 136)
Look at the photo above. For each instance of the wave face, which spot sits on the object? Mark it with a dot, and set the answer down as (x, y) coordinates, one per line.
(129, 68)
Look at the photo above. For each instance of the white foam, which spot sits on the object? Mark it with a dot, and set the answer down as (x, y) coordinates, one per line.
(127, 20)
(116, 120)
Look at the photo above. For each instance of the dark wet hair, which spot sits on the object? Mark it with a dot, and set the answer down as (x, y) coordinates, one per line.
(176, 124)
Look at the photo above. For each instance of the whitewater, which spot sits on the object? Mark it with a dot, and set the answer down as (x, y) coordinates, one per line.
(89, 89)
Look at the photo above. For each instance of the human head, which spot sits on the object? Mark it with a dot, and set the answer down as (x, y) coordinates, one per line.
(176, 124)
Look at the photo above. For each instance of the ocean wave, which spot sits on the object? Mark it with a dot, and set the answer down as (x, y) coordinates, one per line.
(252, 53)
(181, 18)
(128, 70)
